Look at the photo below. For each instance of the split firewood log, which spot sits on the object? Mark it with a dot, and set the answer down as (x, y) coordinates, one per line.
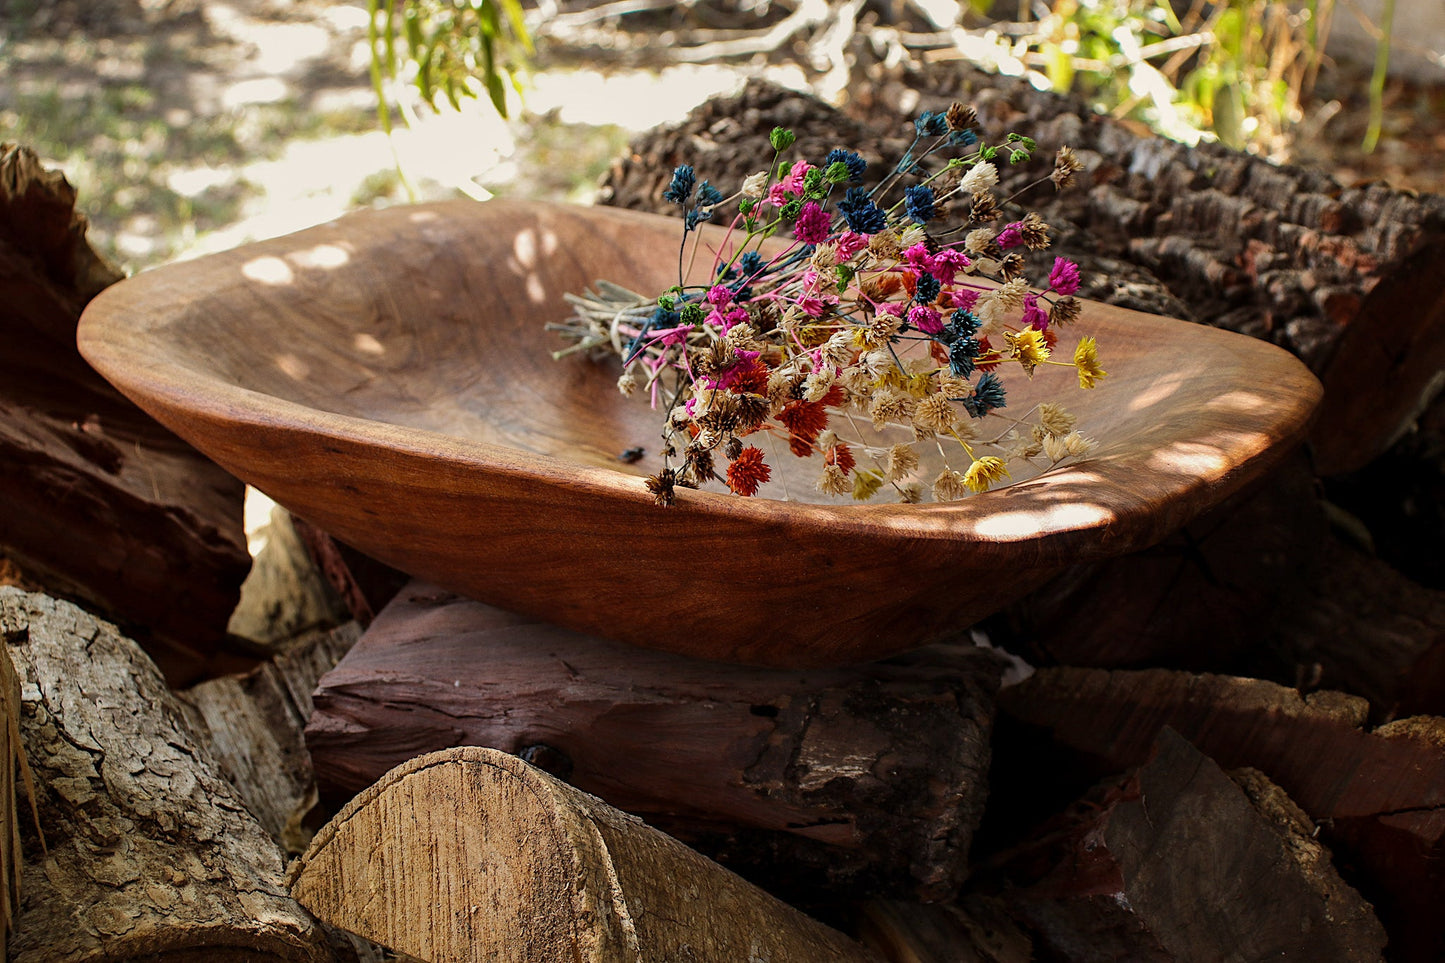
(148, 852)
(1377, 795)
(145, 527)
(862, 780)
(254, 724)
(1180, 863)
(472, 854)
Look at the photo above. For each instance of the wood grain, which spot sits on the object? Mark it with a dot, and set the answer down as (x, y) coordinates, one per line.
(387, 377)
(856, 781)
(517, 866)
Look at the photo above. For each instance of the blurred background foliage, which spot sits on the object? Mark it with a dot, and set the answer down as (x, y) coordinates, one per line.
(193, 125)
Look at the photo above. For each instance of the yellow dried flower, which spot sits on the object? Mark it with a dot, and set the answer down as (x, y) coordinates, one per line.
(984, 473)
(1028, 347)
(1086, 359)
(911, 493)
(866, 484)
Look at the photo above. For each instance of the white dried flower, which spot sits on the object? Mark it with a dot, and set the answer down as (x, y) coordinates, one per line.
(627, 384)
(980, 177)
(900, 462)
(1055, 448)
(816, 385)
(978, 240)
(755, 185)
(1079, 446)
(949, 486)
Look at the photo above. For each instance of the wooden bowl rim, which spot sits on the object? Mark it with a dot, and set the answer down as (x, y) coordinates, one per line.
(154, 298)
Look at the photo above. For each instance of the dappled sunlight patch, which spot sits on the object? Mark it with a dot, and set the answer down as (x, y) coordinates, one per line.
(1052, 518)
(326, 256)
(268, 270)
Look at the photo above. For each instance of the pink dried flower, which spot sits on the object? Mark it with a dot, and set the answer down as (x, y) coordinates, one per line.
(813, 224)
(1064, 278)
(925, 319)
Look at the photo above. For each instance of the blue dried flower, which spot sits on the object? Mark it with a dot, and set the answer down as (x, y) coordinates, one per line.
(750, 263)
(862, 215)
(930, 124)
(680, 189)
(961, 357)
(918, 203)
(707, 195)
(964, 323)
(927, 289)
(855, 164)
(695, 217)
(987, 395)
(962, 138)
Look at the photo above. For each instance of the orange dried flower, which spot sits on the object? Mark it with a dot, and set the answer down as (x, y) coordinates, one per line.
(842, 456)
(748, 471)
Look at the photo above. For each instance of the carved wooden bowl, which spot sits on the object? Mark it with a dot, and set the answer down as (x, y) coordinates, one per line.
(388, 377)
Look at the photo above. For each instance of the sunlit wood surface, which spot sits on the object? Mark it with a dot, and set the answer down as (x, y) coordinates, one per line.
(388, 377)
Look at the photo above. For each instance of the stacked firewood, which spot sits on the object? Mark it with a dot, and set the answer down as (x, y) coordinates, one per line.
(1225, 748)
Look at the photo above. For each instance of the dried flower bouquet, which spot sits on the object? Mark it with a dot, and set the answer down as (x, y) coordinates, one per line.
(887, 323)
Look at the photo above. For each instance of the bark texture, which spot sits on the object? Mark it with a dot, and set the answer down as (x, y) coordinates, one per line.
(253, 724)
(101, 503)
(862, 780)
(150, 852)
(1377, 795)
(517, 866)
(1179, 863)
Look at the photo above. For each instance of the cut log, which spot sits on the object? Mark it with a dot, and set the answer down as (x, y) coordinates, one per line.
(286, 595)
(1338, 275)
(1179, 863)
(12, 763)
(472, 854)
(1355, 783)
(863, 780)
(977, 930)
(100, 502)
(150, 851)
(253, 724)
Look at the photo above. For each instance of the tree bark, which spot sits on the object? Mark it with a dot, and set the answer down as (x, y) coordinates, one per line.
(863, 780)
(254, 726)
(472, 854)
(100, 502)
(150, 853)
(1377, 795)
(1179, 863)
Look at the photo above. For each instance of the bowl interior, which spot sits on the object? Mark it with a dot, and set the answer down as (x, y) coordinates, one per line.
(435, 320)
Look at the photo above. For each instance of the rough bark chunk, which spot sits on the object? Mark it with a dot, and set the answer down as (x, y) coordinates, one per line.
(150, 851)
